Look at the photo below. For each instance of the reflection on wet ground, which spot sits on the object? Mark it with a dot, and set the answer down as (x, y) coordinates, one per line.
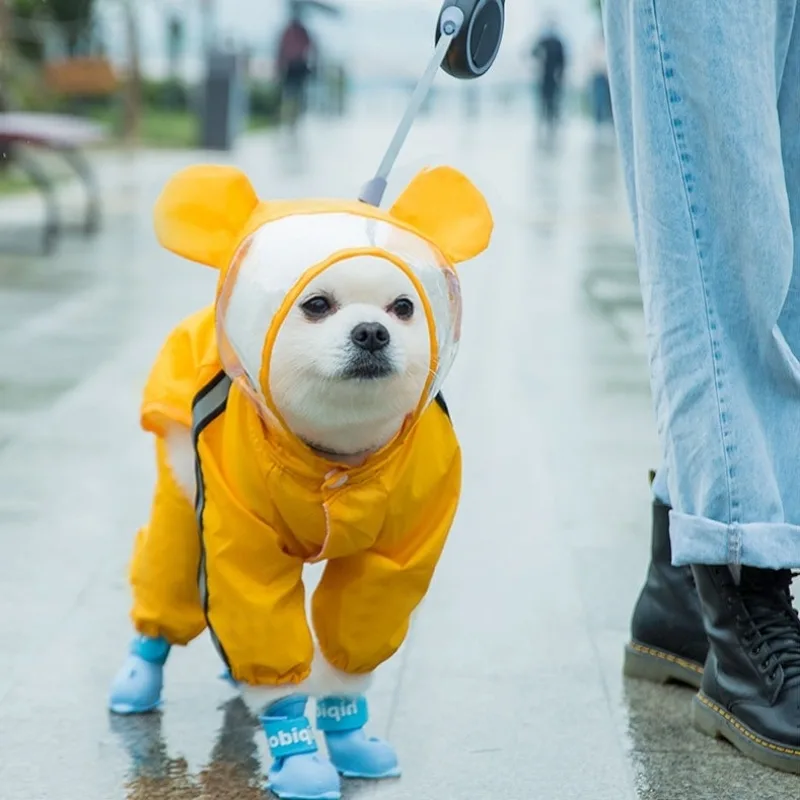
(510, 685)
(233, 770)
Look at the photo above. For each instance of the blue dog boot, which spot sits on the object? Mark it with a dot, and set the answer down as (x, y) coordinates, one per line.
(298, 771)
(137, 687)
(352, 752)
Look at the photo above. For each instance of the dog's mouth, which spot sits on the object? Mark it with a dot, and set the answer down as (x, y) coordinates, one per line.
(368, 367)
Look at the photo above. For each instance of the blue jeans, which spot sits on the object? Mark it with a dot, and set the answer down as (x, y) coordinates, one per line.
(707, 107)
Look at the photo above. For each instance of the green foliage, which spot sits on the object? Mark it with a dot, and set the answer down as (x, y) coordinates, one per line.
(24, 90)
(160, 127)
(70, 11)
(74, 18)
(27, 47)
(171, 93)
(25, 8)
(265, 100)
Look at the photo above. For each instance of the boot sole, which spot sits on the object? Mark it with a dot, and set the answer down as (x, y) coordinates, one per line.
(714, 721)
(364, 776)
(323, 796)
(659, 666)
(128, 710)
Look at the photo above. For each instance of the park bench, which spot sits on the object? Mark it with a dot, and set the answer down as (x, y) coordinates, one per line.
(67, 137)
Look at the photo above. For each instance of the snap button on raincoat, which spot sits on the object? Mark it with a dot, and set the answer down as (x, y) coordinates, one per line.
(264, 503)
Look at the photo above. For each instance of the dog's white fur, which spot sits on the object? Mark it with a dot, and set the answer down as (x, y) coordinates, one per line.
(180, 457)
(340, 415)
(346, 416)
(324, 681)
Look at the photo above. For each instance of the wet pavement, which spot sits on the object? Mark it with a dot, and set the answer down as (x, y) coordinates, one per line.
(510, 685)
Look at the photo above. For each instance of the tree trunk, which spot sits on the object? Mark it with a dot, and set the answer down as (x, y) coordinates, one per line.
(6, 43)
(6, 40)
(132, 92)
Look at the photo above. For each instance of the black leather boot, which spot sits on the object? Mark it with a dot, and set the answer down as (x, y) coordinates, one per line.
(668, 641)
(750, 694)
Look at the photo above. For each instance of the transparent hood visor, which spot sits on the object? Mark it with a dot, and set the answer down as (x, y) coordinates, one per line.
(272, 267)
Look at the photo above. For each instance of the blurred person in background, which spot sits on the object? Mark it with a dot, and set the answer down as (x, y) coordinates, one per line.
(176, 48)
(176, 44)
(599, 90)
(549, 55)
(339, 88)
(706, 108)
(296, 53)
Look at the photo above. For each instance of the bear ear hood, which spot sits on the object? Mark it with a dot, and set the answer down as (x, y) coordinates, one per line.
(202, 211)
(268, 251)
(445, 207)
(205, 211)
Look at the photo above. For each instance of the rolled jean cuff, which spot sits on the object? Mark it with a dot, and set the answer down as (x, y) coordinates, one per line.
(765, 545)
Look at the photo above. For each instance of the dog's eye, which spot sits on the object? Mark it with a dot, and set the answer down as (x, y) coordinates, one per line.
(316, 307)
(402, 308)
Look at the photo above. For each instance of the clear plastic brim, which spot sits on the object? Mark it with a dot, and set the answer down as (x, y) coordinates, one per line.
(271, 268)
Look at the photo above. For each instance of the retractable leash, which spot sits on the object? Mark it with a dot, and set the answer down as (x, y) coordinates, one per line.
(468, 37)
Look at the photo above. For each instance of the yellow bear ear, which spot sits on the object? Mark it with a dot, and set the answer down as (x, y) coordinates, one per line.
(202, 210)
(447, 208)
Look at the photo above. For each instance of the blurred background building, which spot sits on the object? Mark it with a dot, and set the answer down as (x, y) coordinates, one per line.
(143, 62)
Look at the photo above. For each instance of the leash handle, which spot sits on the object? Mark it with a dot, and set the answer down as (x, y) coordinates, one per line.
(451, 23)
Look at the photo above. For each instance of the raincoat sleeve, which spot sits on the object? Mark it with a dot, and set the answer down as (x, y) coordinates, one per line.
(363, 604)
(166, 556)
(163, 570)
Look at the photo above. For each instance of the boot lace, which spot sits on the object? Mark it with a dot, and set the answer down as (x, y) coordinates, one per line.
(776, 633)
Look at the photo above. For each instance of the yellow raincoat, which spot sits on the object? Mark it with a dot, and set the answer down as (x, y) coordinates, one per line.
(265, 503)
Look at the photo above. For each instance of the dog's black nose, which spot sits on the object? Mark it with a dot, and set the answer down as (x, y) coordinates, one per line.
(370, 336)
